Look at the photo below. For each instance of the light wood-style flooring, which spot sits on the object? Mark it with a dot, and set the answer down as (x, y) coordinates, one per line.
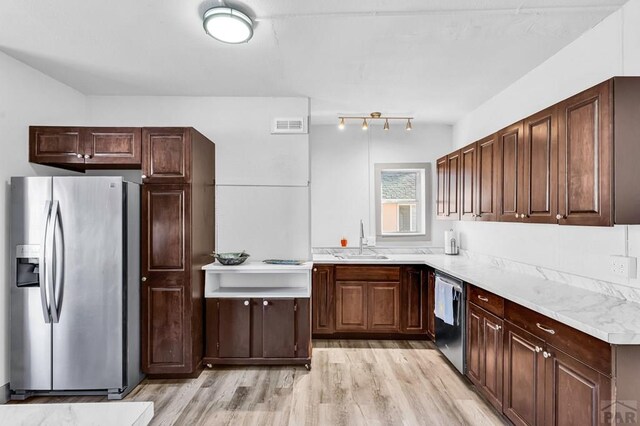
(352, 382)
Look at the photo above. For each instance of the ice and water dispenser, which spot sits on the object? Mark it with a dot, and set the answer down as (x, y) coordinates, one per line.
(27, 265)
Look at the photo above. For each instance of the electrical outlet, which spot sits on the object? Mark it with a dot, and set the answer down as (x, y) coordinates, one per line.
(624, 266)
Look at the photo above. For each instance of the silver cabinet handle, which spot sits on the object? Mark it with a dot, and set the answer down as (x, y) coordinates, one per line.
(265, 303)
(87, 156)
(79, 155)
(143, 279)
(545, 329)
(538, 349)
(547, 354)
(484, 299)
(246, 303)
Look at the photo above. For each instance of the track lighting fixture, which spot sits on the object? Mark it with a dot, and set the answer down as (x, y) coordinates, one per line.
(373, 116)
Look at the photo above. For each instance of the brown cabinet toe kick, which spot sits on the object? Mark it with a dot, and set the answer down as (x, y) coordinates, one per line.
(212, 362)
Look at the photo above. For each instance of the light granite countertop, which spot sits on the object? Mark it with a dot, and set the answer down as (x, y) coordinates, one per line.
(608, 318)
(89, 414)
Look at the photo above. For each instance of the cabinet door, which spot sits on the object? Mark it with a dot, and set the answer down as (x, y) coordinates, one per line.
(414, 300)
(575, 393)
(351, 306)
(166, 298)
(234, 325)
(453, 185)
(113, 146)
(55, 145)
(163, 332)
(486, 188)
(541, 167)
(475, 344)
(166, 156)
(468, 176)
(441, 196)
(492, 359)
(278, 328)
(383, 306)
(585, 158)
(323, 299)
(523, 400)
(510, 162)
(431, 304)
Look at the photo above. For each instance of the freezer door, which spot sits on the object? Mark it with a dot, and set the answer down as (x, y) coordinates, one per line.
(30, 332)
(89, 285)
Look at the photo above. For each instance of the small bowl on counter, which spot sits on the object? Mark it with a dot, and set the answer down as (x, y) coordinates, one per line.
(231, 259)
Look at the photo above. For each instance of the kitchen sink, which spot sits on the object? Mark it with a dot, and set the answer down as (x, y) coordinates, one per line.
(362, 256)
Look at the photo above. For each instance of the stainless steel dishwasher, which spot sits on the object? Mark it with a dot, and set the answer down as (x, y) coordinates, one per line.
(450, 337)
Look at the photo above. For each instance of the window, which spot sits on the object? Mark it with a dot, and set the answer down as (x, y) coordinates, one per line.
(401, 201)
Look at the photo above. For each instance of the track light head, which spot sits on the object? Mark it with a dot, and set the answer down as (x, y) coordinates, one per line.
(386, 124)
(408, 126)
(365, 125)
(341, 123)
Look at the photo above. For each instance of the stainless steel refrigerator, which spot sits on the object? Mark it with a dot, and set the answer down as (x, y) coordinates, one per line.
(75, 326)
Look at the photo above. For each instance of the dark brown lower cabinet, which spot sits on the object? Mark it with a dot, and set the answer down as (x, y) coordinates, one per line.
(484, 353)
(524, 374)
(363, 306)
(413, 304)
(258, 331)
(431, 304)
(323, 296)
(383, 307)
(575, 394)
(351, 305)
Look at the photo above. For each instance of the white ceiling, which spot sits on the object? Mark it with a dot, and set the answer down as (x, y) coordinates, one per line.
(435, 59)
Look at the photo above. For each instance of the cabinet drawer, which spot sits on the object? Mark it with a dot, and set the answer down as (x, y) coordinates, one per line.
(367, 273)
(587, 349)
(486, 300)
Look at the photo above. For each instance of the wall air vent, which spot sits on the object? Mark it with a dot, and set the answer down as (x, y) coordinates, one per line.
(289, 125)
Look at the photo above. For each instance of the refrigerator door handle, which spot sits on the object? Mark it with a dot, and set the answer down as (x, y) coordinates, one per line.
(43, 265)
(51, 271)
(56, 284)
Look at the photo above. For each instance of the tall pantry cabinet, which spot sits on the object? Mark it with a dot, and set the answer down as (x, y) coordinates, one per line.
(178, 174)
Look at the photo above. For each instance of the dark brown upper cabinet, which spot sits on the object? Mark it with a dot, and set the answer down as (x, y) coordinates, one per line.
(487, 180)
(468, 183)
(448, 186)
(510, 167)
(167, 155)
(441, 188)
(573, 164)
(585, 158)
(83, 148)
(541, 167)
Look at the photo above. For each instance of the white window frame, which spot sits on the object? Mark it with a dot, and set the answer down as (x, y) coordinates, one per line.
(424, 215)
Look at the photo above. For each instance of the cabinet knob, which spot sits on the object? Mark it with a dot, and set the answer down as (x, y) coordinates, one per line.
(79, 155)
(315, 269)
(559, 216)
(265, 303)
(246, 303)
(144, 279)
(538, 349)
(547, 354)
(517, 215)
(524, 215)
(144, 176)
(87, 156)
(498, 327)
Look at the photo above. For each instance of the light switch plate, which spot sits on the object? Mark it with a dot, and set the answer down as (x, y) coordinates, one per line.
(624, 266)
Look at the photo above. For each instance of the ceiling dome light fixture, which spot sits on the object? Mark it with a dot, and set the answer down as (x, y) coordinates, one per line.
(373, 116)
(228, 25)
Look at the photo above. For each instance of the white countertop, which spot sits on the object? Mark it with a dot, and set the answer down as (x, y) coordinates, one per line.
(607, 318)
(257, 267)
(98, 414)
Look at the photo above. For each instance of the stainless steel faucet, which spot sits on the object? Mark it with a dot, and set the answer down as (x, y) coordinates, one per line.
(361, 236)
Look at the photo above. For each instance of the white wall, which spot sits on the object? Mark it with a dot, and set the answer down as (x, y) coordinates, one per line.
(342, 181)
(609, 49)
(27, 97)
(251, 164)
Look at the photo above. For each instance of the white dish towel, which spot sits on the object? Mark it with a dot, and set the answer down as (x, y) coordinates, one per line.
(444, 301)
